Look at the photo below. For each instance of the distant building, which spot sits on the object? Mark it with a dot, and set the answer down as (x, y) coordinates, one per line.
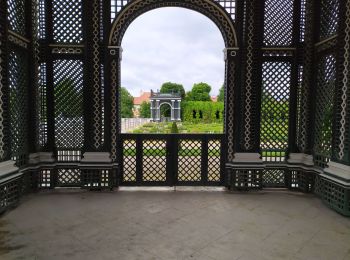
(214, 98)
(144, 96)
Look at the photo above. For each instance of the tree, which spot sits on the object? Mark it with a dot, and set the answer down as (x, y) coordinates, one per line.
(221, 97)
(174, 129)
(68, 99)
(169, 87)
(145, 110)
(127, 103)
(199, 92)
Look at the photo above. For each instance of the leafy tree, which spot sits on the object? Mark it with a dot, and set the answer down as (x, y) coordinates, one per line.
(127, 103)
(145, 110)
(199, 92)
(221, 97)
(169, 87)
(68, 99)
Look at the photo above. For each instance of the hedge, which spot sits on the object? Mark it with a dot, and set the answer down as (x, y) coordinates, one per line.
(202, 111)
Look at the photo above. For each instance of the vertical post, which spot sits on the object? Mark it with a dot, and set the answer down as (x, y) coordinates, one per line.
(341, 118)
(308, 85)
(49, 79)
(112, 115)
(230, 55)
(31, 24)
(250, 141)
(4, 111)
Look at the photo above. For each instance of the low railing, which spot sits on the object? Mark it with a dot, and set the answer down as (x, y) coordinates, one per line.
(171, 159)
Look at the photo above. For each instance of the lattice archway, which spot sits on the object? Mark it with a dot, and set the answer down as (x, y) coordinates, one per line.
(126, 16)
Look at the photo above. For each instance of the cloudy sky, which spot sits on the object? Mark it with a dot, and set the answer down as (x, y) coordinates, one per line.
(172, 44)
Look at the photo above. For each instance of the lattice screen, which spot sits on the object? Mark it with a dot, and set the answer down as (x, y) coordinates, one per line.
(228, 5)
(68, 92)
(129, 160)
(326, 76)
(302, 19)
(42, 22)
(189, 160)
(16, 16)
(2, 84)
(18, 94)
(278, 25)
(299, 100)
(214, 160)
(329, 18)
(154, 160)
(67, 21)
(275, 110)
(42, 106)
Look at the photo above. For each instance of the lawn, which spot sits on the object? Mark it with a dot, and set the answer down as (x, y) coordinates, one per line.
(184, 127)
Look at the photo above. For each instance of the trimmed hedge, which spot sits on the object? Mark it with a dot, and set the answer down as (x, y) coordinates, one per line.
(202, 111)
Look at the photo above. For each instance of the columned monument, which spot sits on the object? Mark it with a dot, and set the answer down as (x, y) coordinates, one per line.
(173, 100)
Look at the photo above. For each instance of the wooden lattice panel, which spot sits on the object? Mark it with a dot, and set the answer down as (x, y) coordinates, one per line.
(326, 76)
(129, 160)
(18, 105)
(278, 25)
(214, 160)
(275, 110)
(329, 18)
(154, 163)
(68, 92)
(16, 16)
(189, 160)
(67, 21)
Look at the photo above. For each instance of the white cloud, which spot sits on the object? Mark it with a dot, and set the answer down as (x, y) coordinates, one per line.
(172, 44)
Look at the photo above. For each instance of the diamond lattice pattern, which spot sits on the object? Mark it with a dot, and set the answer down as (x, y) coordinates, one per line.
(275, 110)
(68, 92)
(129, 160)
(189, 160)
(67, 21)
(214, 162)
(154, 160)
(278, 25)
(329, 18)
(18, 79)
(326, 76)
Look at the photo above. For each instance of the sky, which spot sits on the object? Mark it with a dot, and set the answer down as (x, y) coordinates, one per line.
(172, 44)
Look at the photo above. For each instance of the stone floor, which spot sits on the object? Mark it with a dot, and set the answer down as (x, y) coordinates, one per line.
(173, 225)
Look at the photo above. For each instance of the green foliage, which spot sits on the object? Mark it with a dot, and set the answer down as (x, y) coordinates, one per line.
(169, 87)
(183, 127)
(145, 110)
(68, 99)
(199, 92)
(127, 103)
(202, 111)
(174, 129)
(221, 97)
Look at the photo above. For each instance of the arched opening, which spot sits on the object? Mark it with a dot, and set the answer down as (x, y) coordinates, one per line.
(166, 112)
(175, 50)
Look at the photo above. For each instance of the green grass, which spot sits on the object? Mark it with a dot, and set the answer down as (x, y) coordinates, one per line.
(184, 127)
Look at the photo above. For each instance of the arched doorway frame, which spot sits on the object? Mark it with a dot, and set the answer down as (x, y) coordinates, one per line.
(126, 16)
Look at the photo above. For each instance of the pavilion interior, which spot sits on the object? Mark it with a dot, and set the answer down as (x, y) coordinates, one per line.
(275, 184)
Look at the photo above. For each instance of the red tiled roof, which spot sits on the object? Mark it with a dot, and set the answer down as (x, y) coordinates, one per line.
(144, 97)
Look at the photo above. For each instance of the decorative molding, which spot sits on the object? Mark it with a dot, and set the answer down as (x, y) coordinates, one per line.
(18, 40)
(7, 168)
(207, 7)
